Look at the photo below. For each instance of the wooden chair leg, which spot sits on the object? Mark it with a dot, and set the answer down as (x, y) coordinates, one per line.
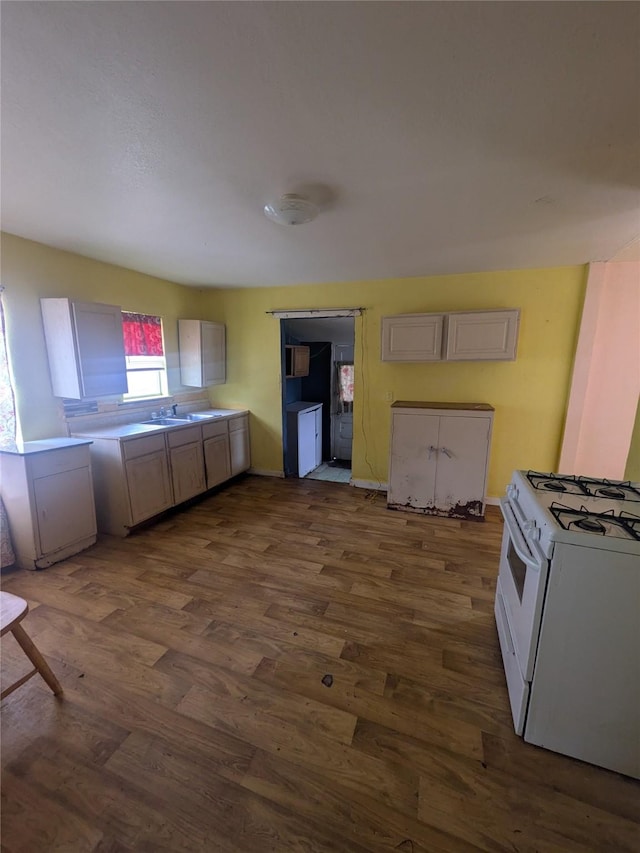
(30, 650)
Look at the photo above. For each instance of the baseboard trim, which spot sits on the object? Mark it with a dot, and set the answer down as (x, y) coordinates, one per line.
(376, 485)
(492, 501)
(263, 472)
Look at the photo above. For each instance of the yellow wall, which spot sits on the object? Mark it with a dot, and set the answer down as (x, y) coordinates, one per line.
(529, 394)
(29, 271)
(632, 471)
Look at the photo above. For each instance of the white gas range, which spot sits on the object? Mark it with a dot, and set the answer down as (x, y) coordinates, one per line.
(568, 615)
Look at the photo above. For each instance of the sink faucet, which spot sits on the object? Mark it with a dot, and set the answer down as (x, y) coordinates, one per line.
(174, 409)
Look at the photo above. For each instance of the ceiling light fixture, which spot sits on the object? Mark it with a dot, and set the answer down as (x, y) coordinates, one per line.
(291, 209)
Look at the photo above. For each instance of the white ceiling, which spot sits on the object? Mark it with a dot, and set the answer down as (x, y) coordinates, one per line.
(439, 137)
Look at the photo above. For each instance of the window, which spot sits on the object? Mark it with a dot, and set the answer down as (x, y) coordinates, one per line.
(144, 356)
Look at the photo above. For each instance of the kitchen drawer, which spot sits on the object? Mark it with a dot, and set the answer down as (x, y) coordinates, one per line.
(214, 429)
(186, 435)
(135, 447)
(45, 464)
(241, 422)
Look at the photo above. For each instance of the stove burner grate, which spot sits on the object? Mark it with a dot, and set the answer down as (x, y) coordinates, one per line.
(616, 490)
(591, 525)
(554, 486)
(601, 523)
(611, 492)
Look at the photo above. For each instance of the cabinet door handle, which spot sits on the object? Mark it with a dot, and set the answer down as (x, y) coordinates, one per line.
(432, 450)
(446, 451)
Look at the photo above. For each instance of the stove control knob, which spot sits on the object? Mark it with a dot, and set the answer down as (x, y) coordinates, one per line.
(512, 492)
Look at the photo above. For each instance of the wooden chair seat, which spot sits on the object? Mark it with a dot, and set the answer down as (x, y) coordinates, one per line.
(13, 609)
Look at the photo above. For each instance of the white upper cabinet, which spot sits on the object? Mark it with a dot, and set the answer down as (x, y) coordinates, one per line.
(482, 335)
(454, 336)
(202, 353)
(412, 337)
(85, 346)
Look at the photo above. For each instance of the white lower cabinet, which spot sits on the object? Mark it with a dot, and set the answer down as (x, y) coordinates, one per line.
(239, 448)
(439, 457)
(217, 460)
(186, 459)
(148, 486)
(139, 476)
(48, 495)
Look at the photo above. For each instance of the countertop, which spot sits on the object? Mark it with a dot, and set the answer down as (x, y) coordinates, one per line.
(478, 407)
(45, 445)
(125, 431)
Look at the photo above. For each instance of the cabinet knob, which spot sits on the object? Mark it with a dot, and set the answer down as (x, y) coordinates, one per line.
(446, 451)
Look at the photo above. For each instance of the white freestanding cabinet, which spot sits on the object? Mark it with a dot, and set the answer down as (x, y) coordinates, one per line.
(482, 335)
(48, 494)
(85, 347)
(202, 353)
(304, 437)
(412, 337)
(439, 457)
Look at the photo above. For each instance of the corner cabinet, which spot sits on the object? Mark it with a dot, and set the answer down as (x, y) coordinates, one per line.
(85, 347)
(48, 495)
(439, 457)
(202, 353)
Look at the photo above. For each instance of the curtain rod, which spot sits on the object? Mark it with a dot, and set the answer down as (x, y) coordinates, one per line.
(302, 313)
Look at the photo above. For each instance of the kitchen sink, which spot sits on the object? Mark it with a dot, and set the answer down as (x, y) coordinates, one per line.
(165, 422)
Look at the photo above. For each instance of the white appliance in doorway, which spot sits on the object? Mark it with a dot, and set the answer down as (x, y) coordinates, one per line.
(568, 615)
(304, 437)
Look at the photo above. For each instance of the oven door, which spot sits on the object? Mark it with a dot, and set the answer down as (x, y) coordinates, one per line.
(523, 579)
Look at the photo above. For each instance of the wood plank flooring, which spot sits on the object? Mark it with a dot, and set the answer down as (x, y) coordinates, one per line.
(286, 665)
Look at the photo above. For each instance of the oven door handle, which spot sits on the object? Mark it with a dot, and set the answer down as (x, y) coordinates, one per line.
(517, 539)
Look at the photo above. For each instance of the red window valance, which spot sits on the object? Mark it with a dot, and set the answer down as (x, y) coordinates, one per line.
(142, 334)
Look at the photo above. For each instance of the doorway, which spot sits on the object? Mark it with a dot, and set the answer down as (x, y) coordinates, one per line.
(323, 347)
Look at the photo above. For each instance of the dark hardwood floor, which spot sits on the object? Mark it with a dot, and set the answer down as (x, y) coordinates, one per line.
(286, 665)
